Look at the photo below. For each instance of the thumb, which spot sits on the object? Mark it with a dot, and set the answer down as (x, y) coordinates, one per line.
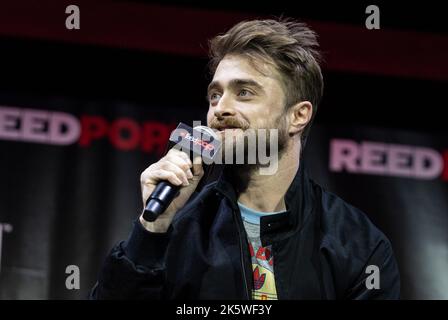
(198, 170)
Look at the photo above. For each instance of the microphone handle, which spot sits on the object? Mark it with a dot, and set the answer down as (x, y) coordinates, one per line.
(159, 200)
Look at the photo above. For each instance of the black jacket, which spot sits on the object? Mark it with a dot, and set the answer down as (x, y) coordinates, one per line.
(321, 247)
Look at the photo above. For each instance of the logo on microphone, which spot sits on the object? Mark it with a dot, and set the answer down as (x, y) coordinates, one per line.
(250, 147)
(207, 146)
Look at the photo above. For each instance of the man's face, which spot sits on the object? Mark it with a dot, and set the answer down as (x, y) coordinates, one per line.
(246, 97)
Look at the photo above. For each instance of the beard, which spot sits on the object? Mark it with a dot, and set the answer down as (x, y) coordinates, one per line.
(245, 149)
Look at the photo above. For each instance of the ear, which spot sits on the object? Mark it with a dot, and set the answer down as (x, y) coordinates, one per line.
(299, 116)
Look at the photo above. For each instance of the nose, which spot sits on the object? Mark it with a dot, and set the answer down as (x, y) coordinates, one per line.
(224, 109)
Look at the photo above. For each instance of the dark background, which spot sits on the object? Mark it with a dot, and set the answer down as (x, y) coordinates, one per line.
(46, 68)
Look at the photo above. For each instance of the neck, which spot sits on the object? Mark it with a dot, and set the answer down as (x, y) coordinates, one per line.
(266, 193)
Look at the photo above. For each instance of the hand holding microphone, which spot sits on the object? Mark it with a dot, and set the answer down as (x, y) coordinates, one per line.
(168, 184)
(177, 169)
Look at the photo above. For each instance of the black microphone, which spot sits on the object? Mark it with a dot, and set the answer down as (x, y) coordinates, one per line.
(200, 141)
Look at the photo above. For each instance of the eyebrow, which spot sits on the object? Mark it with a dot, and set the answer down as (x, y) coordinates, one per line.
(237, 83)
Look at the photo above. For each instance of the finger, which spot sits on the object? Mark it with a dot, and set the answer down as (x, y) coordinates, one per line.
(197, 166)
(183, 161)
(186, 157)
(179, 161)
(145, 177)
(166, 175)
(182, 165)
(177, 153)
(178, 171)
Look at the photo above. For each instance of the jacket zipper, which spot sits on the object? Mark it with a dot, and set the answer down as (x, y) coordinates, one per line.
(243, 268)
(240, 238)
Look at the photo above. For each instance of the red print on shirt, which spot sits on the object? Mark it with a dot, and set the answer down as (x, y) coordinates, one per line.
(258, 280)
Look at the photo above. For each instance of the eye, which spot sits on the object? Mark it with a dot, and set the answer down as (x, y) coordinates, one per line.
(214, 97)
(244, 93)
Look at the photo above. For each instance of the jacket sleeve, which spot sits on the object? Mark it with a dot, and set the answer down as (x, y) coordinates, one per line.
(380, 278)
(135, 268)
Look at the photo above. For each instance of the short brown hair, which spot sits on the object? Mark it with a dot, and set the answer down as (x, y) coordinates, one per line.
(290, 46)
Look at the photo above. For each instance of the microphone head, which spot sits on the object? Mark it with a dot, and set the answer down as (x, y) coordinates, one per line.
(207, 130)
(201, 140)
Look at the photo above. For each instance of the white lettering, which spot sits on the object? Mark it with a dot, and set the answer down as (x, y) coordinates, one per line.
(372, 154)
(377, 158)
(343, 155)
(433, 160)
(41, 126)
(9, 122)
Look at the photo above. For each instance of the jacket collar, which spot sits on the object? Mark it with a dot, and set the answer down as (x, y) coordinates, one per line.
(299, 201)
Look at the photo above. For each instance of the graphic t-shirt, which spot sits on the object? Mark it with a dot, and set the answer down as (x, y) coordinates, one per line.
(262, 259)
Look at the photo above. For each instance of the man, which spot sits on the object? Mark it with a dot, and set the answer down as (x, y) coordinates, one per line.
(251, 235)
